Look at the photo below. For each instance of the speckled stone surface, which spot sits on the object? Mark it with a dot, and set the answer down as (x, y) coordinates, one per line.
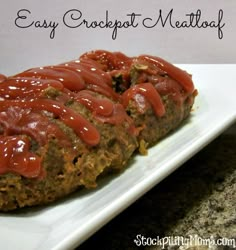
(199, 199)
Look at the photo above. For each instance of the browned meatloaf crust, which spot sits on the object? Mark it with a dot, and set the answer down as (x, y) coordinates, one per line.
(68, 160)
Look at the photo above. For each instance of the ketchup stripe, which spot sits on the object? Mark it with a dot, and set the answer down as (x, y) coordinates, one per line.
(74, 120)
(179, 75)
(151, 94)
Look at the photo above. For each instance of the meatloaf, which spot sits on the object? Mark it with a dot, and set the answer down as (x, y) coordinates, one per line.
(63, 126)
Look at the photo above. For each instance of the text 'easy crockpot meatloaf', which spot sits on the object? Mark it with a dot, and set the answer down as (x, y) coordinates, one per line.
(62, 126)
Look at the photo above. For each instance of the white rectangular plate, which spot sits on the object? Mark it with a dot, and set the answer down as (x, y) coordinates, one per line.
(67, 223)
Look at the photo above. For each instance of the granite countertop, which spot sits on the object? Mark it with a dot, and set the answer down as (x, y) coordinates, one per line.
(197, 200)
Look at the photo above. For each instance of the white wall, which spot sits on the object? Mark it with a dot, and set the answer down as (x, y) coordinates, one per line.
(22, 48)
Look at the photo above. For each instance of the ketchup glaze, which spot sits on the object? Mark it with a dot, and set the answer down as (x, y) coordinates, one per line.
(28, 111)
